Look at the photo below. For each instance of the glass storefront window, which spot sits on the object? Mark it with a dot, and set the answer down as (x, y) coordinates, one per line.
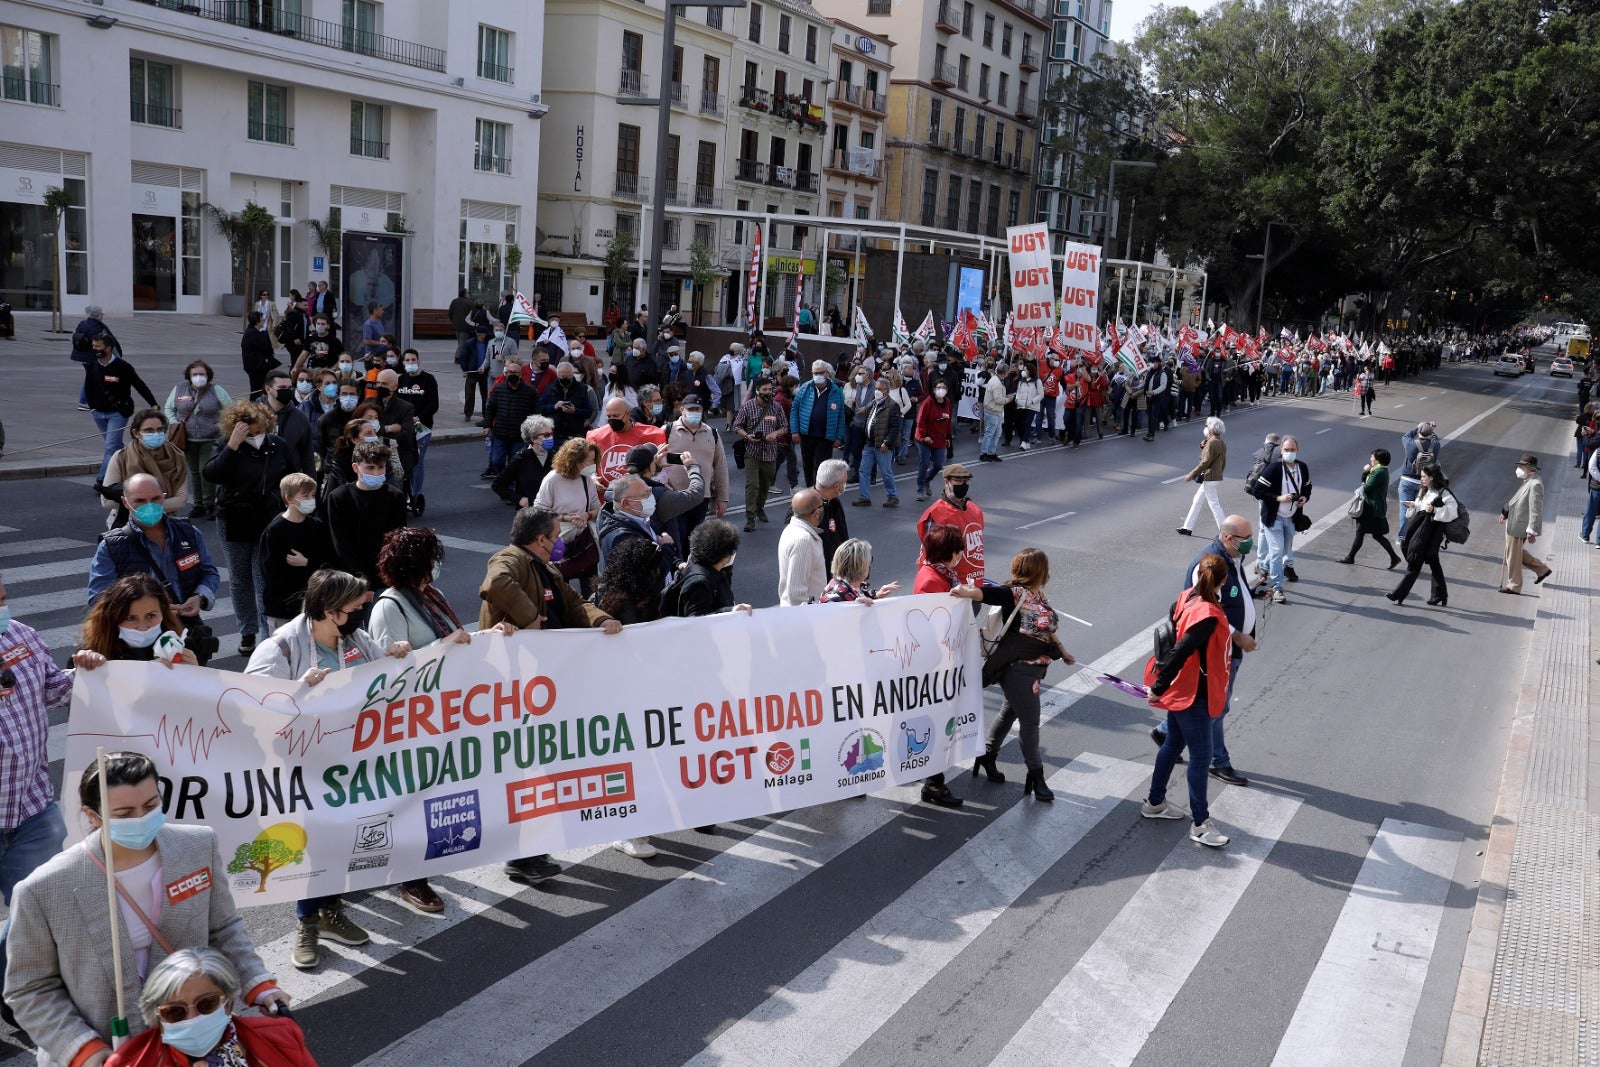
(155, 263)
(191, 245)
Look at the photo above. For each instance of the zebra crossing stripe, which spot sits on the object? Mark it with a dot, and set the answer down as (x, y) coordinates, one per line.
(1368, 982)
(13, 549)
(1111, 1001)
(588, 974)
(822, 1012)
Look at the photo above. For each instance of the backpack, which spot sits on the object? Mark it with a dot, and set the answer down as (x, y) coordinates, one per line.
(1164, 637)
(1458, 529)
(992, 626)
(1253, 476)
(672, 595)
(281, 331)
(1425, 456)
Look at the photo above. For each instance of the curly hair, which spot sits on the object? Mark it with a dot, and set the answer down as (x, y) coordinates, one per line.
(259, 416)
(112, 606)
(713, 541)
(572, 457)
(408, 555)
(632, 577)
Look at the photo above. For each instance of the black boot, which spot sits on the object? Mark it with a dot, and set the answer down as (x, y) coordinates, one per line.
(1034, 784)
(936, 792)
(985, 762)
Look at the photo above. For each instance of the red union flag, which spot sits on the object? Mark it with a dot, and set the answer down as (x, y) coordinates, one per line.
(755, 276)
(1032, 275)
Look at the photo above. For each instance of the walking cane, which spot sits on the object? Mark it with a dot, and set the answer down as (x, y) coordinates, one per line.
(119, 1021)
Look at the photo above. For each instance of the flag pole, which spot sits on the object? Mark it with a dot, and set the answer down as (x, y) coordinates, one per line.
(119, 1021)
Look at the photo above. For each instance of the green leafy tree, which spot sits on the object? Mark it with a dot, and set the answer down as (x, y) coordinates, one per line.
(247, 232)
(703, 271)
(513, 262)
(264, 855)
(618, 260)
(56, 200)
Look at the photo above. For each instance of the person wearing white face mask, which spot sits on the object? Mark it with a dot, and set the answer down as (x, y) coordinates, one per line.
(58, 977)
(196, 403)
(690, 433)
(294, 546)
(1283, 488)
(246, 472)
(1523, 517)
(128, 622)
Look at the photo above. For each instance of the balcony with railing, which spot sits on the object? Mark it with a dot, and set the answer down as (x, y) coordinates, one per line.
(270, 134)
(952, 220)
(369, 149)
(680, 94)
(711, 102)
(270, 18)
(1020, 162)
(755, 98)
(630, 187)
(780, 176)
(495, 72)
(707, 196)
(944, 74)
(633, 83)
(948, 19)
(28, 91)
(154, 115)
(997, 155)
(807, 181)
(677, 193)
(940, 140)
(855, 163)
(1029, 60)
(751, 170)
(1033, 8)
(1027, 107)
(859, 97)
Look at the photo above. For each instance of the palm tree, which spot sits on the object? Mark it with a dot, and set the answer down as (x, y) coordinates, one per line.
(56, 200)
(244, 230)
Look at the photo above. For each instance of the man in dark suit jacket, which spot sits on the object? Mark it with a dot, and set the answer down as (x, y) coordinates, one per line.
(1283, 489)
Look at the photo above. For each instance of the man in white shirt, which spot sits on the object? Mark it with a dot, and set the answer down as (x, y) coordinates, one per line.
(802, 570)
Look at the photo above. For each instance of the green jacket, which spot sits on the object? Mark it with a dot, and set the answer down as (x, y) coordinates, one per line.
(1375, 491)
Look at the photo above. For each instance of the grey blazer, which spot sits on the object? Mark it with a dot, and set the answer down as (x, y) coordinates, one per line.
(1525, 511)
(59, 979)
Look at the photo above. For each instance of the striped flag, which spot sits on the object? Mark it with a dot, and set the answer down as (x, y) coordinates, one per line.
(755, 280)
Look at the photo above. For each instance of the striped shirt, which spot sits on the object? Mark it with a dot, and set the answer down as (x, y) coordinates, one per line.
(25, 788)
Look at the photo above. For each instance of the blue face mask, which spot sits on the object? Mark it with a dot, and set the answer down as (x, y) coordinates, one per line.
(153, 440)
(197, 1035)
(373, 481)
(348, 403)
(5, 619)
(138, 833)
(331, 390)
(692, 418)
(655, 409)
(547, 443)
(148, 514)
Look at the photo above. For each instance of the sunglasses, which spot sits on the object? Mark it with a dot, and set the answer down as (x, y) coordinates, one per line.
(176, 1013)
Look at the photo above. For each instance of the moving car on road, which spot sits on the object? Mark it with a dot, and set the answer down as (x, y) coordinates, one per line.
(1561, 365)
(1509, 363)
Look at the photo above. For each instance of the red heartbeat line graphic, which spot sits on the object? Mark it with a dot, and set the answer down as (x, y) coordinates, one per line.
(905, 650)
(299, 739)
(171, 738)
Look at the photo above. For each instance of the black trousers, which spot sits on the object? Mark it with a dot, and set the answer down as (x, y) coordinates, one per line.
(813, 450)
(1414, 569)
(1362, 535)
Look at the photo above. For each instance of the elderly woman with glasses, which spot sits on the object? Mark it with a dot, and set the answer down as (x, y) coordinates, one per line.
(187, 1002)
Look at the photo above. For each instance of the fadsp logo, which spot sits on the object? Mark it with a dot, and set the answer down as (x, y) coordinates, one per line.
(914, 741)
(374, 841)
(274, 848)
(453, 824)
(569, 791)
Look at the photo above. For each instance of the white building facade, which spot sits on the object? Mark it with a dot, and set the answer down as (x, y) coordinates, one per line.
(852, 170)
(417, 116)
(1070, 201)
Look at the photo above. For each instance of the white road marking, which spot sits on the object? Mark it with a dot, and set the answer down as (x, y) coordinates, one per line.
(821, 1010)
(488, 548)
(1479, 417)
(1399, 405)
(1365, 989)
(1053, 518)
(617, 956)
(1328, 430)
(1179, 478)
(9, 529)
(12, 549)
(1111, 1001)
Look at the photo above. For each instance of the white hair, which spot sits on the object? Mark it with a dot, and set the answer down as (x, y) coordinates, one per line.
(821, 365)
(168, 976)
(1214, 424)
(831, 472)
(535, 427)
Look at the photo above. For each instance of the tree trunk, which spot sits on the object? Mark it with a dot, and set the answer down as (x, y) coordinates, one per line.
(55, 278)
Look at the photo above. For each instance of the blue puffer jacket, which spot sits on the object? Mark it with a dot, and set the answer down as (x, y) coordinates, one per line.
(800, 410)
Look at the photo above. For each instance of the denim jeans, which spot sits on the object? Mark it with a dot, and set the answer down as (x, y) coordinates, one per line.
(502, 452)
(23, 849)
(1219, 748)
(872, 459)
(1191, 729)
(1277, 539)
(930, 461)
(992, 421)
(423, 444)
(1409, 488)
(245, 581)
(1591, 513)
(310, 906)
(908, 426)
(110, 424)
(1046, 419)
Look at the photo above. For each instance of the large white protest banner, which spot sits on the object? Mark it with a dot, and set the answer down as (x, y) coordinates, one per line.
(971, 404)
(1080, 296)
(1033, 287)
(460, 755)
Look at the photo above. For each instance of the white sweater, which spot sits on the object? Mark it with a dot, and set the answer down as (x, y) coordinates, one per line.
(802, 571)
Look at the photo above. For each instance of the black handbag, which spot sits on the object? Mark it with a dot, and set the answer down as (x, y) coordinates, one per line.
(1301, 521)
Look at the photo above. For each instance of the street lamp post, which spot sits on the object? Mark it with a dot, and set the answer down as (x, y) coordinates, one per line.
(1266, 247)
(1111, 217)
(663, 105)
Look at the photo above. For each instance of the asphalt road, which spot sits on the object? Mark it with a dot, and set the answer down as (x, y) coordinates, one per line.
(893, 932)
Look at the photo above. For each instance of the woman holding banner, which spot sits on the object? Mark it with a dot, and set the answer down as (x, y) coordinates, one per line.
(325, 637)
(171, 897)
(128, 621)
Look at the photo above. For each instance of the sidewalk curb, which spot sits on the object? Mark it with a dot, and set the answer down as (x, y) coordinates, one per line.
(77, 466)
(1492, 959)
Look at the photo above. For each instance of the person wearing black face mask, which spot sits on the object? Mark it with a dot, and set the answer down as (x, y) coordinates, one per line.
(398, 420)
(293, 425)
(325, 637)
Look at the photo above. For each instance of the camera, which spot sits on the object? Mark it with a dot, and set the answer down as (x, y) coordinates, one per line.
(759, 435)
(200, 639)
(675, 458)
(8, 678)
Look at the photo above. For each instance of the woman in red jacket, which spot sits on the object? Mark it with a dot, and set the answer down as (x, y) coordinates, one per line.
(935, 417)
(1191, 686)
(186, 1000)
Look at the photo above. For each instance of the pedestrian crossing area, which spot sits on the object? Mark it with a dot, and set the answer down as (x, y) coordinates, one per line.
(857, 932)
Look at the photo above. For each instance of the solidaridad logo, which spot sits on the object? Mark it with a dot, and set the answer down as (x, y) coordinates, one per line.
(862, 753)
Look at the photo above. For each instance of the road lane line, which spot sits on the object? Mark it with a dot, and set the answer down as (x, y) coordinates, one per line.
(1053, 518)
(487, 548)
(12, 549)
(888, 960)
(1479, 417)
(584, 976)
(1111, 1001)
(1328, 430)
(1368, 981)
(1179, 478)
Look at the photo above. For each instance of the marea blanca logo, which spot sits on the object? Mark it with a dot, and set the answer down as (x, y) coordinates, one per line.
(453, 824)
(595, 793)
(787, 768)
(861, 756)
(915, 742)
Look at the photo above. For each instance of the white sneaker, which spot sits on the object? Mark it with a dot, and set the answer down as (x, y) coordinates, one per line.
(1206, 834)
(640, 848)
(1162, 810)
(1026, 446)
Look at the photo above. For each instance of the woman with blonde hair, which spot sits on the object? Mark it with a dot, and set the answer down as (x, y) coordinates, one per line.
(246, 469)
(1018, 663)
(570, 490)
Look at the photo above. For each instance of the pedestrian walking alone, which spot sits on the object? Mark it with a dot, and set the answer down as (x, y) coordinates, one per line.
(1208, 473)
(1373, 521)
